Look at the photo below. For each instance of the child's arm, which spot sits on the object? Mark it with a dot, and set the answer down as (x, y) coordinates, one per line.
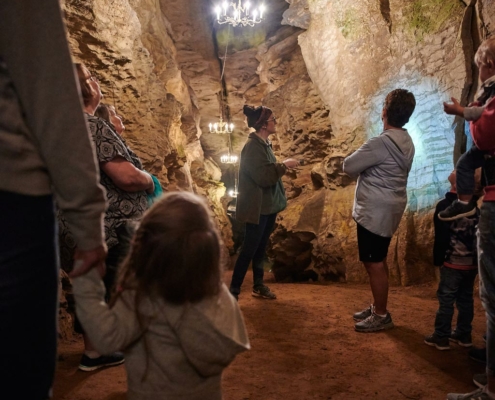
(471, 113)
(371, 153)
(442, 235)
(453, 108)
(109, 330)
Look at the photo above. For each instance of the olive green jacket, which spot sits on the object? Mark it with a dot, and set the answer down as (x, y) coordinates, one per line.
(261, 191)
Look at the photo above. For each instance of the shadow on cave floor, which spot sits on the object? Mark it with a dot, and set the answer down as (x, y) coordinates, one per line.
(304, 347)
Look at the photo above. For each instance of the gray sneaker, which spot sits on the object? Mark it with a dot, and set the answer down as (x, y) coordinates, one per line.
(264, 292)
(375, 323)
(362, 315)
(478, 394)
(480, 380)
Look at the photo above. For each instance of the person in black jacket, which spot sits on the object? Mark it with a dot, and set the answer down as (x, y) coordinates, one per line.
(454, 251)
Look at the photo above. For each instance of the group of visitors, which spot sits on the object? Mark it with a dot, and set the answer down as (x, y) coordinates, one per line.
(146, 277)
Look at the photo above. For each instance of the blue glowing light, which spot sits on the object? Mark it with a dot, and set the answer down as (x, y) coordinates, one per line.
(433, 136)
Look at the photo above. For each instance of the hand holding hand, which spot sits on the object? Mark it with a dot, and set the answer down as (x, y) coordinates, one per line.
(453, 108)
(85, 260)
(291, 163)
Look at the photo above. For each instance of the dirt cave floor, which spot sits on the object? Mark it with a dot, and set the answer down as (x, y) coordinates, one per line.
(304, 347)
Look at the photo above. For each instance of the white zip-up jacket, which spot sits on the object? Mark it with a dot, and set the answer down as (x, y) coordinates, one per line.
(382, 166)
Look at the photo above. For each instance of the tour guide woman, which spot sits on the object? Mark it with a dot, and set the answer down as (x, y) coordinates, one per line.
(261, 197)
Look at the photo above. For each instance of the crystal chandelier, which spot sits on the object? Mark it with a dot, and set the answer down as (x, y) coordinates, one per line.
(229, 158)
(240, 14)
(221, 127)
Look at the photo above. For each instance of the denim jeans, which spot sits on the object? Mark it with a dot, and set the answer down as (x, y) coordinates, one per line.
(466, 165)
(486, 256)
(28, 296)
(455, 287)
(253, 249)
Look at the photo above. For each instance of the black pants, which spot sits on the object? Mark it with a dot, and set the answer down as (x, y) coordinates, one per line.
(253, 250)
(116, 254)
(28, 296)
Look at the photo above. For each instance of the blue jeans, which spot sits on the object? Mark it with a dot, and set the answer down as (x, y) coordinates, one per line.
(253, 249)
(486, 257)
(466, 165)
(455, 287)
(28, 296)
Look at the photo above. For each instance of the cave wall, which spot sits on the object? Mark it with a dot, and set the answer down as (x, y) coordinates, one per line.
(324, 67)
(355, 53)
(142, 54)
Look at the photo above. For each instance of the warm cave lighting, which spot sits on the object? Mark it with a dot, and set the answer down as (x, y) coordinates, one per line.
(221, 127)
(229, 159)
(238, 14)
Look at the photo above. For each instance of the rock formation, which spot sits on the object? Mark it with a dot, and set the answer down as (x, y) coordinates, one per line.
(324, 67)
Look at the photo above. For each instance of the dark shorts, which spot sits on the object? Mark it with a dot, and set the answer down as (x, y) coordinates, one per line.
(372, 247)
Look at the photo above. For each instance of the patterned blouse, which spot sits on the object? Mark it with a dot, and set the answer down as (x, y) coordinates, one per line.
(123, 207)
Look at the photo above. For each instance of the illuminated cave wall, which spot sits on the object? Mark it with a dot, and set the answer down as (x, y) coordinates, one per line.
(355, 53)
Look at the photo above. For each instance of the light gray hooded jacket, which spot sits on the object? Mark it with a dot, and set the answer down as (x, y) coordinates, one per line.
(177, 352)
(382, 164)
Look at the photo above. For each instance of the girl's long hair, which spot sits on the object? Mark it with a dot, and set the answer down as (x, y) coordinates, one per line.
(175, 253)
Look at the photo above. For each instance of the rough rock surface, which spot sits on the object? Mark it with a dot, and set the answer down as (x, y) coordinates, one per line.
(355, 54)
(148, 66)
(324, 67)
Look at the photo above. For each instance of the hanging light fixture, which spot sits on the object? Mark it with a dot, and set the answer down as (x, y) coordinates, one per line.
(238, 14)
(229, 158)
(221, 127)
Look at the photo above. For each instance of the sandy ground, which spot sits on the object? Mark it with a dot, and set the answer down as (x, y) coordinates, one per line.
(304, 347)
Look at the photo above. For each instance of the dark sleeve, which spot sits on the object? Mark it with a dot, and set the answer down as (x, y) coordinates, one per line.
(442, 235)
(257, 165)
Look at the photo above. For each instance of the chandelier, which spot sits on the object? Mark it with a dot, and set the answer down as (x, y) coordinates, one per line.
(229, 158)
(221, 127)
(240, 14)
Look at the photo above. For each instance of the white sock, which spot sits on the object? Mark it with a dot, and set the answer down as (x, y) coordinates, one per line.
(463, 202)
(92, 353)
(381, 316)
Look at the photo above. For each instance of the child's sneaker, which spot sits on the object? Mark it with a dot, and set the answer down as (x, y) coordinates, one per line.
(476, 395)
(90, 364)
(263, 292)
(375, 323)
(457, 210)
(441, 343)
(462, 340)
(362, 315)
